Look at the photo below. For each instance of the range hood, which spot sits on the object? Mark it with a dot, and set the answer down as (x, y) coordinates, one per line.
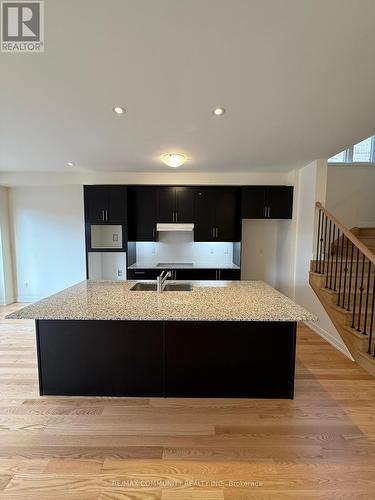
(174, 227)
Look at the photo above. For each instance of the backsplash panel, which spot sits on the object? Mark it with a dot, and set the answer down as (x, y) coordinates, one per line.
(180, 247)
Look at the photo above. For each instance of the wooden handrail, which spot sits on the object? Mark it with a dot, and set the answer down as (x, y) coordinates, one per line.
(345, 230)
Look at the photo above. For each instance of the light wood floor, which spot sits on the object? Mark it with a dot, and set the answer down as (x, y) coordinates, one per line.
(320, 445)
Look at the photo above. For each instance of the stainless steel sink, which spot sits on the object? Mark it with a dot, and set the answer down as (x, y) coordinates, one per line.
(178, 287)
(169, 287)
(144, 287)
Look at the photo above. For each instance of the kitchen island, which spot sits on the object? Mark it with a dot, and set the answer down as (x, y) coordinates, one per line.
(221, 339)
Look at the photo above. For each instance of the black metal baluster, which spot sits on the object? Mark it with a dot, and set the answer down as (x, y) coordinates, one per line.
(367, 294)
(361, 295)
(345, 272)
(372, 318)
(329, 253)
(355, 289)
(342, 256)
(350, 276)
(337, 258)
(321, 245)
(324, 244)
(317, 243)
(332, 256)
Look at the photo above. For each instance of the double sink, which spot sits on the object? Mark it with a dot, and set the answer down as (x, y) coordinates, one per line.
(169, 287)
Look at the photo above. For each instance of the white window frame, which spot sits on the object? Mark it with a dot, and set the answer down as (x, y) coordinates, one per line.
(348, 155)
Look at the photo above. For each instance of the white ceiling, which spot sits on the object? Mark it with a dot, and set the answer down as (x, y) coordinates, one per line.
(297, 78)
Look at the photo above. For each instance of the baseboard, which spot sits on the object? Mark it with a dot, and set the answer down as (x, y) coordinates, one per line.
(28, 299)
(8, 302)
(329, 338)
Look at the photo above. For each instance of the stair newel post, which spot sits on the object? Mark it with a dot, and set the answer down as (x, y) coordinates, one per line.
(337, 258)
(367, 298)
(345, 272)
(355, 288)
(317, 262)
(350, 276)
(361, 295)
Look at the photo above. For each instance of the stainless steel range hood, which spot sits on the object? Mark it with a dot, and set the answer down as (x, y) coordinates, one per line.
(174, 227)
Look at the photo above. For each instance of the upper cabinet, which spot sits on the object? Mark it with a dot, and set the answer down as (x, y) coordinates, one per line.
(267, 202)
(217, 214)
(142, 210)
(175, 204)
(105, 204)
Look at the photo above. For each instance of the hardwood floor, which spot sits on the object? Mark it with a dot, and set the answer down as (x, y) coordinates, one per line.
(320, 445)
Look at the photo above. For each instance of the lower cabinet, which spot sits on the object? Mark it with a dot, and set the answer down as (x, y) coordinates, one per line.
(186, 274)
(143, 274)
(100, 358)
(229, 359)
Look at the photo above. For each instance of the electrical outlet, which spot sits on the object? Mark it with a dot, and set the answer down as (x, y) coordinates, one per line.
(211, 251)
(119, 273)
(115, 237)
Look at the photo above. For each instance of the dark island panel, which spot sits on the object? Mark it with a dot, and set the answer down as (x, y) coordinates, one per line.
(230, 359)
(100, 358)
(173, 358)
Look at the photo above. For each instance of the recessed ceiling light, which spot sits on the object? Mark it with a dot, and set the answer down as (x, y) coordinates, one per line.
(70, 164)
(173, 159)
(218, 111)
(119, 110)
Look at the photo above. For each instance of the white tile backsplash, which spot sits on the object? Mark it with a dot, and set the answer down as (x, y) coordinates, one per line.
(180, 247)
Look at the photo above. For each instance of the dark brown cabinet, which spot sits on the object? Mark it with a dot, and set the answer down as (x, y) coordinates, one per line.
(175, 204)
(217, 214)
(142, 209)
(186, 274)
(105, 204)
(267, 202)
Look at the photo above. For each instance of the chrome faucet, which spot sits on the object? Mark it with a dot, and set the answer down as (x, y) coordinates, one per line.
(162, 279)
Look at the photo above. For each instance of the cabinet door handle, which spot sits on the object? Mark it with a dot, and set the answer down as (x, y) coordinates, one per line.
(103, 215)
(265, 212)
(269, 212)
(139, 272)
(106, 215)
(153, 232)
(217, 232)
(213, 232)
(172, 216)
(176, 216)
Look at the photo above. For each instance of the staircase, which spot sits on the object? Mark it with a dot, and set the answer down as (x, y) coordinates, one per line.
(343, 277)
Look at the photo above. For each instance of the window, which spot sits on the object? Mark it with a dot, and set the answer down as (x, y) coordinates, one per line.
(363, 152)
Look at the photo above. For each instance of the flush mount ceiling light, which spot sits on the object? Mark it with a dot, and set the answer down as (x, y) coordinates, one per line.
(218, 111)
(70, 164)
(119, 110)
(173, 159)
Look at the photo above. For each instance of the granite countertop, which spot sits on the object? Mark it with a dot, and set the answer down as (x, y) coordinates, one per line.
(208, 301)
(182, 265)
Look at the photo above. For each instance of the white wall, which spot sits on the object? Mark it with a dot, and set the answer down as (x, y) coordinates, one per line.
(351, 195)
(310, 187)
(49, 247)
(6, 268)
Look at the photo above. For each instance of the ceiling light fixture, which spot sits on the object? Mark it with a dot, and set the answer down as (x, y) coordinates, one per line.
(70, 164)
(218, 111)
(119, 110)
(173, 159)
